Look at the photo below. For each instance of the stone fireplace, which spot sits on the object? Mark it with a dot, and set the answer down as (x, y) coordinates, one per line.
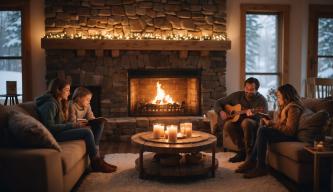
(183, 57)
(164, 92)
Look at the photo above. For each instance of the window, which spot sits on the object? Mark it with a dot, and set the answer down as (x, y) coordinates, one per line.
(320, 62)
(264, 48)
(10, 49)
(15, 46)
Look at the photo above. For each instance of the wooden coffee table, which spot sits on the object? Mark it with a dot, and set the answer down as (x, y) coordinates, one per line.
(147, 166)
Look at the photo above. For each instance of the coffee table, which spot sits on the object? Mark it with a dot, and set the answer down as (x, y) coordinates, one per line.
(147, 166)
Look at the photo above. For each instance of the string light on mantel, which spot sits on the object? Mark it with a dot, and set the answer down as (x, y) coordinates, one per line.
(136, 36)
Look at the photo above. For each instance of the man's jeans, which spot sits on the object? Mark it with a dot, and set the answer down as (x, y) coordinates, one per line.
(91, 137)
(266, 135)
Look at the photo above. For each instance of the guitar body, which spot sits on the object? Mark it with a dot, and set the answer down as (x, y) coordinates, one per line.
(233, 112)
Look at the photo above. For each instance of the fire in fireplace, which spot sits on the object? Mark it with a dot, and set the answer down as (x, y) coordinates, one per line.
(158, 93)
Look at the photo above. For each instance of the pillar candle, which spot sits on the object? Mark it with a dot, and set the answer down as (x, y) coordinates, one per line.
(182, 128)
(156, 131)
(172, 132)
(188, 129)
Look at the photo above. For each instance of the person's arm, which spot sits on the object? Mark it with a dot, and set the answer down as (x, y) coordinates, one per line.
(291, 125)
(48, 113)
(263, 104)
(90, 114)
(72, 113)
(220, 103)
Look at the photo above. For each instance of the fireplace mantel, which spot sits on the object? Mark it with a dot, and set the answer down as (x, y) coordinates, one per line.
(183, 46)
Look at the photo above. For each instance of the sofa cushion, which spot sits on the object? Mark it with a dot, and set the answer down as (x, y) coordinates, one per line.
(72, 152)
(319, 104)
(311, 124)
(29, 108)
(292, 150)
(28, 132)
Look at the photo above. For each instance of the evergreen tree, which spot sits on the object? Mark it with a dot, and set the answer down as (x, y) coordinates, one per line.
(325, 47)
(252, 45)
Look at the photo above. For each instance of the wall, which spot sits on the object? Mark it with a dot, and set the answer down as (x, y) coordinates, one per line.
(37, 28)
(298, 36)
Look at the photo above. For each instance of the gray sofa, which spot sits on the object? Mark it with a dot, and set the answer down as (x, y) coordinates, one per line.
(39, 169)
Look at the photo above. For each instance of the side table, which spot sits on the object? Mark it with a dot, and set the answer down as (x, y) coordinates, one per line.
(13, 98)
(317, 155)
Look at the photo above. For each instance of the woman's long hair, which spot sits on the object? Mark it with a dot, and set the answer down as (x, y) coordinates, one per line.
(289, 94)
(55, 87)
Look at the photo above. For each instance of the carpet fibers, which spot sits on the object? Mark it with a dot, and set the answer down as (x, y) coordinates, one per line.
(126, 179)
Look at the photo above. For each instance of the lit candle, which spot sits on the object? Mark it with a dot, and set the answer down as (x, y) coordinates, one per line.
(172, 133)
(188, 129)
(320, 146)
(182, 128)
(158, 131)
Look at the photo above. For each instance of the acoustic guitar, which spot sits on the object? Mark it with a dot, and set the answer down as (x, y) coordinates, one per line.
(236, 111)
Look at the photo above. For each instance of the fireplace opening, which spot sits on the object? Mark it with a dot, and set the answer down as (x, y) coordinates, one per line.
(164, 92)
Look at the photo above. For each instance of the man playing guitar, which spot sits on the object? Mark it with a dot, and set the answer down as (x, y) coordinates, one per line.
(243, 131)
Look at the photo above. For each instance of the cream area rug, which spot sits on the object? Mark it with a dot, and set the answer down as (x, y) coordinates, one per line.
(126, 179)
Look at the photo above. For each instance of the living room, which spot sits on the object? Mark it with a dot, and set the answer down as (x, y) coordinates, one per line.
(192, 95)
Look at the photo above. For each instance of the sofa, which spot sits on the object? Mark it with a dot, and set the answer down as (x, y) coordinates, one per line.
(290, 158)
(39, 169)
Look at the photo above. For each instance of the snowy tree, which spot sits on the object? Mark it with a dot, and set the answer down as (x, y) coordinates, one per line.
(325, 48)
(252, 44)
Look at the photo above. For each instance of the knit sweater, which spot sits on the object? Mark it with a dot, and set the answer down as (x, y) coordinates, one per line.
(78, 112)
(288, 118)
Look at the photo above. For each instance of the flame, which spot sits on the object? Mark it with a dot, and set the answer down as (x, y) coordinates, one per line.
(161, 97)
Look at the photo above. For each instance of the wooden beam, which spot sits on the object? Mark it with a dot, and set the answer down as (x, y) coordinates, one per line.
(183, 54)
(171, 45)
(115, 53)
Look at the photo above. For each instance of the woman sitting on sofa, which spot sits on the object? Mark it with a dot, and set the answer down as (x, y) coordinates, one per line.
(282, 129)
(53, 110)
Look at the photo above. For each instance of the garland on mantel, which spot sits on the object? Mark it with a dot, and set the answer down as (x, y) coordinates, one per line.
(136, 36)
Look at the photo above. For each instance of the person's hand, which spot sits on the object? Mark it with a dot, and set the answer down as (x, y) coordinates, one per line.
(223, 115)
(249, 113)
(83, 123)
(264, 121)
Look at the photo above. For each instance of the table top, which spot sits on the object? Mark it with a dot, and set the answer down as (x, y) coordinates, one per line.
(179, 147)
(10, 95)
(324, 152)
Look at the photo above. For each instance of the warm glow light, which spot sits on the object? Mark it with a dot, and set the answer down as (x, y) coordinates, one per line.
(161, 97)
(136, 36)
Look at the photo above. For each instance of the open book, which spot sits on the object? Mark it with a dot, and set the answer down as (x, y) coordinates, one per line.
(93, 121)
(264, 115)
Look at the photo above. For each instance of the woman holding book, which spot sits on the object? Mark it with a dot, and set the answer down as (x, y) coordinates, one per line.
(282, 129)
(53, 111)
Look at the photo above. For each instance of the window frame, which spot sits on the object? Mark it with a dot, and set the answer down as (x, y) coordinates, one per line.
(282, 11)
(23, 6)
(315, 12)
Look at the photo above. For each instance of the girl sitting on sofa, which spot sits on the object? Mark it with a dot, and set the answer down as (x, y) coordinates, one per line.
(53, 110)
(282, 129)
(80, 112)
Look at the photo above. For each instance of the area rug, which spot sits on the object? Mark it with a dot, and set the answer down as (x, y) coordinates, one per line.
(126, 179)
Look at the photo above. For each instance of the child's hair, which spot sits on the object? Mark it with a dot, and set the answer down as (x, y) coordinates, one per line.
(80, 92)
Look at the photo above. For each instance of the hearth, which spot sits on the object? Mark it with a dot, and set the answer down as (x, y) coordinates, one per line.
(164, 92)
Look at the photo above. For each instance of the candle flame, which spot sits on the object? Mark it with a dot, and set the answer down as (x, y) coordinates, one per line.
(161, 97)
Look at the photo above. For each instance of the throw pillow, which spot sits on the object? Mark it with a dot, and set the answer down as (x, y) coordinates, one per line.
(29, 132)
(311, 124)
